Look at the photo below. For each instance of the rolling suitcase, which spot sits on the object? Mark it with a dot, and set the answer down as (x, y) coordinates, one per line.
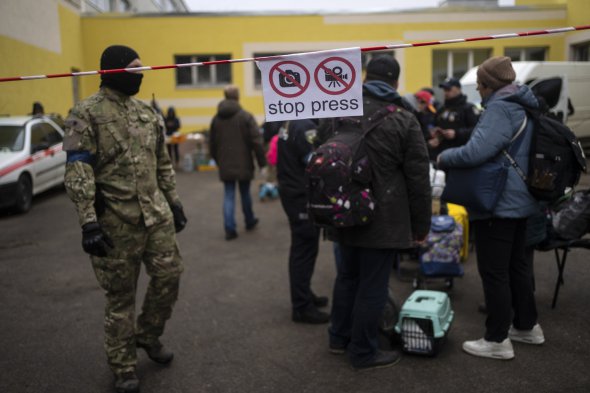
(440, 257)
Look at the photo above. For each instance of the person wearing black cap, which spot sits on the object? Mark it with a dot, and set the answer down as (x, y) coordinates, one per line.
(120, 178)
(400, 182)
(454, 121)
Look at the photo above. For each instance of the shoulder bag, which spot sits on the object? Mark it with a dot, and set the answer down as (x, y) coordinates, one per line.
(479, 188)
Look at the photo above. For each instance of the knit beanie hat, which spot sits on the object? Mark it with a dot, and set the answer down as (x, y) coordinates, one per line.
(496, 72)
(119, 56)
(384, 68)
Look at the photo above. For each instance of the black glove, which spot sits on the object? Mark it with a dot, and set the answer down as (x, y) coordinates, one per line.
(179, 217)
(94, 240)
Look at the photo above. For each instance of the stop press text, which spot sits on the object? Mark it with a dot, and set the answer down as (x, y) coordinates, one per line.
(299, 107)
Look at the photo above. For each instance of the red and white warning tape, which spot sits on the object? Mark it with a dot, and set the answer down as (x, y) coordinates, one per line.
(368, 49)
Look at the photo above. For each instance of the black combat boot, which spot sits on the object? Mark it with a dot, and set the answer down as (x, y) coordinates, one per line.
(127, 382)
(157, 352)
(319, 301)
(310, 315)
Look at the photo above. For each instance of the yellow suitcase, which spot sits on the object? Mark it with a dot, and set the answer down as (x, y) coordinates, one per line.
(460, 215)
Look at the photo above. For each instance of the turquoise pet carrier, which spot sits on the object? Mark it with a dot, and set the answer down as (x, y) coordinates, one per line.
(424, 322)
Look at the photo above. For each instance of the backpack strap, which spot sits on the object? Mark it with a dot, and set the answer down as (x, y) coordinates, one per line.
(513, 162)
(370, 123)
(377, 118)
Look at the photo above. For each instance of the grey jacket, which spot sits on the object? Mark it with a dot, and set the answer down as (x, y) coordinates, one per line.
(503, 116)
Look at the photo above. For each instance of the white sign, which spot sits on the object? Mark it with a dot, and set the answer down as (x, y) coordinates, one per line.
(312, 85)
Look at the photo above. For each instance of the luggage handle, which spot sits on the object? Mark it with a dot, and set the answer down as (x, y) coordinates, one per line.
(420, 298)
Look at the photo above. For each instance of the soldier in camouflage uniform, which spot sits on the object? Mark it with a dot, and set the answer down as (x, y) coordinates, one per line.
(119, 176)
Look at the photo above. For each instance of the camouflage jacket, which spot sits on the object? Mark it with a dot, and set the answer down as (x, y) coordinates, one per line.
(116, 153)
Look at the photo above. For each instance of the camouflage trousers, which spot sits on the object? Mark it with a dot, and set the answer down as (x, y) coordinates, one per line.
(117, 274)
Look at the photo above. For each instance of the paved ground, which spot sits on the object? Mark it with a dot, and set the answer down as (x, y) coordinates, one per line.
(231, 329)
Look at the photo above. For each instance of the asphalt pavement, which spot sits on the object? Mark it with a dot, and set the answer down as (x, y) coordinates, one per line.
(231, 329)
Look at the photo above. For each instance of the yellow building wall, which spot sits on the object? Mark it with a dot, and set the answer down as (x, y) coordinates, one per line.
(157, 40)
(578, 12)
(19, 59)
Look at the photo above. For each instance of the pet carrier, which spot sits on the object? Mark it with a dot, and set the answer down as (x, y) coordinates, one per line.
(424, 322)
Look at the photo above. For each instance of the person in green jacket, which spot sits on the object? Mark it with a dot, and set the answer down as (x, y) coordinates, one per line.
(120, 178)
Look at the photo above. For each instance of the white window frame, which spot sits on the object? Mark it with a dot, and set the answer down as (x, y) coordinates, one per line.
(450, 63)
(213, 82)
(523, 55)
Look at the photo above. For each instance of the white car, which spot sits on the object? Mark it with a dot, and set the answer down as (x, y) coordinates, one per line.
(31, 159)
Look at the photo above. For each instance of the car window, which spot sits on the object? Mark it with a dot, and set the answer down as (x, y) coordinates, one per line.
(44, 133)
(12, 138)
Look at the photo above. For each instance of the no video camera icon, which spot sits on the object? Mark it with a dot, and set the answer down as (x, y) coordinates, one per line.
(331, 77)
(290, 79)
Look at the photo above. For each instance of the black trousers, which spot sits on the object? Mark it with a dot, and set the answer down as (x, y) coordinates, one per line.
(360, 294)
(506, 275)
(305, 239)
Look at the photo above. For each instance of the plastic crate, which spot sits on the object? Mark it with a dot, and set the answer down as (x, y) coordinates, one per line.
(424, 322)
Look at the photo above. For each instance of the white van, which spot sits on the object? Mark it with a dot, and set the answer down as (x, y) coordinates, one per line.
(564, 85)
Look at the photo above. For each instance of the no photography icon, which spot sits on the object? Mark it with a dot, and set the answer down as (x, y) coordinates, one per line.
(289, 79)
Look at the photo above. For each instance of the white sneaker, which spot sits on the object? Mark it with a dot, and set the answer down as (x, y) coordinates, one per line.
(489, 349)
(533, 336)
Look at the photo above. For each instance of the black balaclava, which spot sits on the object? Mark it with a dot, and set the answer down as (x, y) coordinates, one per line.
(119, 56)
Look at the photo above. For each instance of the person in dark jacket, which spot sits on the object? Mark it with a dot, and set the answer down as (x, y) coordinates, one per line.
(38, 109)
(295, 145)
(234, 139)
(500, 236)
(400, 168)
(454, 121)
(172, 125)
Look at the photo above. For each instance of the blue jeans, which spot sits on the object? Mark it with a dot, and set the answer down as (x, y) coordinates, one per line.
(360, 294)
(229, 203)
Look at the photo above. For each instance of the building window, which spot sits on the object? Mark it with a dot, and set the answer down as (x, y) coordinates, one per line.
(580, 52)
(455, 63)
(526, 54)
(203, 76)
(98, 5)
(119, 6)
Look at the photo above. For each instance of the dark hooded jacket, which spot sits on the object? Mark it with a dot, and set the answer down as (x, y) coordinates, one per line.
(400, 168)
(234, 139)
(457, 114)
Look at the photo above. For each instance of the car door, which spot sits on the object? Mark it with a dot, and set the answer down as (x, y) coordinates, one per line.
(57, 152)
(554, 91)
(45, 161)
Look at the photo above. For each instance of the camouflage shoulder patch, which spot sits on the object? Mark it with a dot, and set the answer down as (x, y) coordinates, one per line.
(74, 131)
(75, 123)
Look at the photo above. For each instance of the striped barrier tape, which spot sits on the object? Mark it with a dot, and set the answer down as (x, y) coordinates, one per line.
(250, 59)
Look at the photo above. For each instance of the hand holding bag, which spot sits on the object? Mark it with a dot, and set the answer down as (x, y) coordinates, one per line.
(479, 188)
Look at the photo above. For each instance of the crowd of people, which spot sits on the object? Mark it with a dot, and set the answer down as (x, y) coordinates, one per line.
(121, 179)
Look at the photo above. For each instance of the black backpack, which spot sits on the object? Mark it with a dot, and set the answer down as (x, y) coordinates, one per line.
(339, 174)
(556, 158)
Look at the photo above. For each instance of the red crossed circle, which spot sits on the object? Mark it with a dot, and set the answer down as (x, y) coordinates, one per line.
(300, 88)
(322, 68)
